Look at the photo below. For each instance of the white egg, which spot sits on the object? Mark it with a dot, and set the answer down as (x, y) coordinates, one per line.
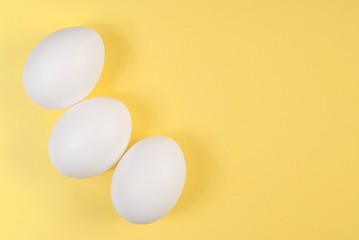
(64, 67)
(90, 137)
(148, 180)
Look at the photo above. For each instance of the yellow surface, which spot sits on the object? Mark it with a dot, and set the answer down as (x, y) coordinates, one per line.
(263, 97)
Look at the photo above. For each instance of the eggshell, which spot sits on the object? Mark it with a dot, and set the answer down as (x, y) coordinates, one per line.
(64, 67)
(90, 137)
(148, 180)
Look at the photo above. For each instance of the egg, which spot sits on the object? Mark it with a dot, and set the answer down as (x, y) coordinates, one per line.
(90, 137)
(148, 180)
(64, 67)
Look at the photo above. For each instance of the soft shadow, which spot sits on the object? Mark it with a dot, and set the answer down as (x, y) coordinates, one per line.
(91, 200)
(119, 55)
(200, 158)
(143, 114)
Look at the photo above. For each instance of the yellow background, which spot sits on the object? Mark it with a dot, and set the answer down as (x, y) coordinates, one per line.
(263, 97)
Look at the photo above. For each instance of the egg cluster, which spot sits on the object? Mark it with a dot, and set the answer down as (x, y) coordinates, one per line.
(93, 135)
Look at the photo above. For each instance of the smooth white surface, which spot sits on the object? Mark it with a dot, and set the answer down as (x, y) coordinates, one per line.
(64, 67)
(90, 137)
(148, 180)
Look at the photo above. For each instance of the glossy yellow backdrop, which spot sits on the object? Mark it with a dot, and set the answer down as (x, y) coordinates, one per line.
(263, 97)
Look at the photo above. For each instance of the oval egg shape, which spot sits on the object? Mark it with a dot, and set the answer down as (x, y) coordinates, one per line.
(64, 67)
(148, 180)
(90, 137)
